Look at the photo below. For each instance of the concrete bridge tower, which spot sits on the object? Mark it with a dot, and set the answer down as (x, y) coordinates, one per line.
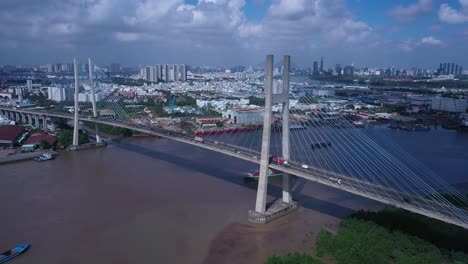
(76, 121)
(93, 98)
(286, 204)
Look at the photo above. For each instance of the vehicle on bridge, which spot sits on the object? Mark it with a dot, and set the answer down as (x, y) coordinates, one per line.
(304, 166)
(280, 161)
(199, 139)
(335, 180)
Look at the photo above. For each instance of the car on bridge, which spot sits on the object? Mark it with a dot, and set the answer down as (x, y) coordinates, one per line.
(198, 139)
(304, 166)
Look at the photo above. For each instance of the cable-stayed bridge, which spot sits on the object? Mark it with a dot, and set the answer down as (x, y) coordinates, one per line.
(303, 140)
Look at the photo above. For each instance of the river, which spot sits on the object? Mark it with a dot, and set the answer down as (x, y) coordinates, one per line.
(152, 200)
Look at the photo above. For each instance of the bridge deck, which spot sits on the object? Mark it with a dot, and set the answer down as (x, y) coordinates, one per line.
(427, 207)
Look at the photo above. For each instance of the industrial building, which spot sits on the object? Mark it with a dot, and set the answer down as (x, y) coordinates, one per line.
(449, 104)
(244, 115)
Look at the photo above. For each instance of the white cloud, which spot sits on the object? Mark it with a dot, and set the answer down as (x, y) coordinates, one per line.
(287, 8)
(127, 36)
(408, 13)
(450, 15)
(431, 41)
(410, 45)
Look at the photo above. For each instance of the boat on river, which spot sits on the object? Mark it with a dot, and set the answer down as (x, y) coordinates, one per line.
(14, 252)
(44, 157)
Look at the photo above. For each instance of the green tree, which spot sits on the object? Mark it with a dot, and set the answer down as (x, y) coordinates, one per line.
(44, 144)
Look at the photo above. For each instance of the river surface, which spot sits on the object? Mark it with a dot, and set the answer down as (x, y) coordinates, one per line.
(151, 200)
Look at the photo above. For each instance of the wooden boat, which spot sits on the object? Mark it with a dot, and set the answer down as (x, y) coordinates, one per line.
(11, 253)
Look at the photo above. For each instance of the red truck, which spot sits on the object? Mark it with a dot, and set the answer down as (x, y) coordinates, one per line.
(279, 161)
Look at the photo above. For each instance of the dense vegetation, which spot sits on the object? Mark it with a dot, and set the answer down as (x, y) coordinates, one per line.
(358, 241)
(293, 258)
(127, 81)
(443, 235)
(65, 138)
(113, 130)
(389, 236)
(256, 101)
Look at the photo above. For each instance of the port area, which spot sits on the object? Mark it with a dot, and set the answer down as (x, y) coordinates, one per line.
(276, 210)
(89, 145)
(4, 160)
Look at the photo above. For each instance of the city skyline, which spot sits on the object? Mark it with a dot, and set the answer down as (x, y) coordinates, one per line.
(209, 32)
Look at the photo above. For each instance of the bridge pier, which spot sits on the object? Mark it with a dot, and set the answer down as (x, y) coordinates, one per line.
(76, 122)
(263, 215)
(44, 123)
(36, 122)
(93, 99)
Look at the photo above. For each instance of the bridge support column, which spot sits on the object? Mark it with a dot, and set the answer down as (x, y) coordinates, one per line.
(36, 122)
(263, 215)
(30, 121)
(75, 128)
(287, 198)
(23, 119)
(44, 123)
(93, 99)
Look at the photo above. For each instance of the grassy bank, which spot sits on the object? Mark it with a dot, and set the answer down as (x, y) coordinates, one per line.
(388, 236)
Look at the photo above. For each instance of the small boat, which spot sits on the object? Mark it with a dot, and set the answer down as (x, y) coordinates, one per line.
(44, 157)
(11, 253)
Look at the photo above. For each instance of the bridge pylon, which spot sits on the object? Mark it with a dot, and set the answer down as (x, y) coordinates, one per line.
(281, 207)
(76, 121)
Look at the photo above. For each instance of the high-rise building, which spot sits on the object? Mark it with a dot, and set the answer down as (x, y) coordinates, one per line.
(321, 64)
(338, 69)
(176, 73)
(456, 69)
(183, 73)
(316, 70)
(29, 84)
(60, 94)
(460, 70)
(115, 68)
(452, 69)
(348, 70)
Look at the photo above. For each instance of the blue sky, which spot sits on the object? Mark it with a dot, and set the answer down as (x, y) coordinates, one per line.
(377, 33)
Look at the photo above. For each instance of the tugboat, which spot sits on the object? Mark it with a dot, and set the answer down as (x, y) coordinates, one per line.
(44, 157)
(254, 175)
(11, 253)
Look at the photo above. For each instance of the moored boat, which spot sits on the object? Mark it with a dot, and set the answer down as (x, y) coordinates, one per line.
(11, 253)
(44, 157)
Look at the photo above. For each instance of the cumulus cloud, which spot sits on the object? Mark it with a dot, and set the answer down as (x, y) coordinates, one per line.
(408, 13)
(451, 15)
(410, 45)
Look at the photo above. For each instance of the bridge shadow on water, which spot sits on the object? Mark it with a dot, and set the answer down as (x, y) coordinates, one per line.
(215, 169)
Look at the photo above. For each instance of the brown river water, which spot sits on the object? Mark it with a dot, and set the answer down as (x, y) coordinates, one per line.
(150, 200)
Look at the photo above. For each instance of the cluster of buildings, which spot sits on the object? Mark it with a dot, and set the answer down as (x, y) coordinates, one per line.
(68, 68)
(449, 68)
(164, 73)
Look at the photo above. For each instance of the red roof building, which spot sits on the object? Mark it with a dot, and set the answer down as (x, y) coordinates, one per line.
(36, 138)
(9, 134)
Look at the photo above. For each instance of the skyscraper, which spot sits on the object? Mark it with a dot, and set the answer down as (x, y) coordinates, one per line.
(115, 68)
(183, 73)
(321, 64)
(316, 70)
(452, 69)
(29, 84)
(338, 69)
